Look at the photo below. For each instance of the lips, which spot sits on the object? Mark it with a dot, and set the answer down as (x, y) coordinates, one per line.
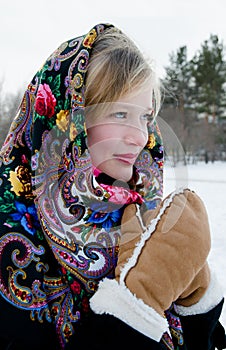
(128, 158)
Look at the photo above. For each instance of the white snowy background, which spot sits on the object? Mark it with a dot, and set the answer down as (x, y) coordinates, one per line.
(29, 32)
(209, 182)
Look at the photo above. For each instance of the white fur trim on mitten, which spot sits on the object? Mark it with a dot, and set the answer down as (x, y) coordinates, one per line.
(210, 299)
(117, 300)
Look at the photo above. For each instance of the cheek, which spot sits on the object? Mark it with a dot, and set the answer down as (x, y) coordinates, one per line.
(102, 135)
(101, 145)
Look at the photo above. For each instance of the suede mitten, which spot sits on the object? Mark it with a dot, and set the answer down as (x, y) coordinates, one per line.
(162, 259)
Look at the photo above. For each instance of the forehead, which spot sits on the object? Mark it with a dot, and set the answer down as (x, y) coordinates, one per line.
(142, 97)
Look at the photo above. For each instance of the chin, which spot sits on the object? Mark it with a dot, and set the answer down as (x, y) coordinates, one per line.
(124, 176)
(123, 173)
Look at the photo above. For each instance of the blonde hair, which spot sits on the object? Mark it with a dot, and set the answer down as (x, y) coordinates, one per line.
(117, 68)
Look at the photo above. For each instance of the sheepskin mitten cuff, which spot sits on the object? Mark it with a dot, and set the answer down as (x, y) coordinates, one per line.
(162, 259)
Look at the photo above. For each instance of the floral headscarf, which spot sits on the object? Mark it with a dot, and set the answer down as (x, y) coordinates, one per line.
(60, 228)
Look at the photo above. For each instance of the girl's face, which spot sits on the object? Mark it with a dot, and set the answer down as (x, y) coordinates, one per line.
(118, 132)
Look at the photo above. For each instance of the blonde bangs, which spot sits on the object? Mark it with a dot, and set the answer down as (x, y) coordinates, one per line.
(117, 68)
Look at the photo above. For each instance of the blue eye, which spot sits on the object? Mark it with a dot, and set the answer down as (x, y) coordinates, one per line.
(119, 115)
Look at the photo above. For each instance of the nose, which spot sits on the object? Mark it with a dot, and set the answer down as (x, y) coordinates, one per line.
(135, 135)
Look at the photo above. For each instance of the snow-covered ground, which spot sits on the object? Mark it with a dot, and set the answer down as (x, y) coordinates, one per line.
(209, 182)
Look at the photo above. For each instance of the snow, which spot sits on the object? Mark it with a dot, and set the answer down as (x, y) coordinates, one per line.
(209, 182)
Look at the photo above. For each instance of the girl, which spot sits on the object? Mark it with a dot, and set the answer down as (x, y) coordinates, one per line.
(82, 151)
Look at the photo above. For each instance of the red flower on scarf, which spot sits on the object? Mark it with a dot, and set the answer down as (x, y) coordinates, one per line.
(45, 101)
(120, 195)
(75, 287)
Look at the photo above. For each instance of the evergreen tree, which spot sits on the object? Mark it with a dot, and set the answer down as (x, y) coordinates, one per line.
(176, 110)
(178, 80)
(209, 72)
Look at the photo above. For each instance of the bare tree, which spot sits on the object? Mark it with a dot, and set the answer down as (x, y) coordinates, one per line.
(9, 104)
(181, 122)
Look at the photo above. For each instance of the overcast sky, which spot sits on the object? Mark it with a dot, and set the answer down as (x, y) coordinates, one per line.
(31, 30)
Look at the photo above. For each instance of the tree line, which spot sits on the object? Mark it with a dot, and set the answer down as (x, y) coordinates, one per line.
(194, 103)
(9, 103)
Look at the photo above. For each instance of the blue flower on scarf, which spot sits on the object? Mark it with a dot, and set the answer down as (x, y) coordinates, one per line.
(27, 217)
(105, 220)
(151, 205)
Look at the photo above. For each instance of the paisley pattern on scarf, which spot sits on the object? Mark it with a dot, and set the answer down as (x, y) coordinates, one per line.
(60, 231)
(176, 341)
